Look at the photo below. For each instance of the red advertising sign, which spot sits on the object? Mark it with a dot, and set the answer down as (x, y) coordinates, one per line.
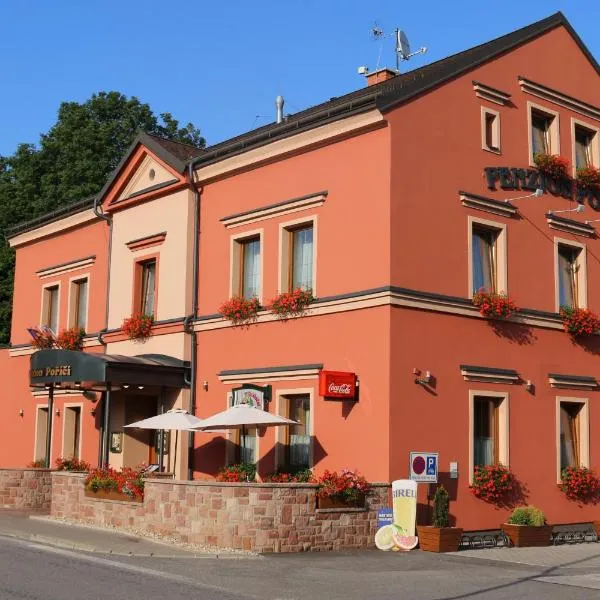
(337, 384)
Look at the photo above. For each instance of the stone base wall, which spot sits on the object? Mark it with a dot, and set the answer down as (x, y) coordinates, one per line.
(25, 489)
(244, 516)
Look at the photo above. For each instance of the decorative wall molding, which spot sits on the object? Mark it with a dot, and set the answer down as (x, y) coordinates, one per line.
(282, 373)
(491, 94)
(72, 265)
(505, 209)
(147, 241)
(489, 374)
(541, 91)
(275, 210)
(557, 380)
(570, 225)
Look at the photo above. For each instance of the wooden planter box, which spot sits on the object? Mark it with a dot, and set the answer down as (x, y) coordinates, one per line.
(439, 539)
(111, 495)
(334, 502)
(527, 536)
(597, 528)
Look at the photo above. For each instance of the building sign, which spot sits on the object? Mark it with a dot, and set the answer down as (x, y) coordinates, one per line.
(337, 385)
(251, 395)
(514, 178)
(423, 467)
(58, 371)
(384, 517)
(404, 505)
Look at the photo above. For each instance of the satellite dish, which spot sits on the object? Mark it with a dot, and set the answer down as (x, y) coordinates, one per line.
(402, 44)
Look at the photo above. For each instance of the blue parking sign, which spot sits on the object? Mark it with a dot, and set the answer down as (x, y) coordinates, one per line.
(431, 465)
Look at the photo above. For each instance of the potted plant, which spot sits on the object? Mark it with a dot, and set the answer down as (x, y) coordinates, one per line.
(492, 305)
(439, 536)
(346, 489)
(579, 322)
(138, 327)
(242, 472)
(109, 484)
(552, 165)
(239, 310)
(588, 177)
(289, 304)
(527, 527)
(491, 482)
(71, 339)
(285, 476)
(72, 464)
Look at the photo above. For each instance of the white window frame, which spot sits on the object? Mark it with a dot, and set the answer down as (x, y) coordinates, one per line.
(72, 288)
(56, 284)
(64, 421)
(280, 401)
(35, 433)
(235, 242)
(581, 272)
(495, 130)
(554, 131)
(595, 145)
(584, 432)
(229, 448)
(284, 262)
(503, 427)
(501, 252)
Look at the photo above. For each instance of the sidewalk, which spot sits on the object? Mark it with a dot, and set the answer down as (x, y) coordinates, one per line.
(43, 530)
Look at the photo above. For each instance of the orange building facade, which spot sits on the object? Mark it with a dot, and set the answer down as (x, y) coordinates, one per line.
(393, 205)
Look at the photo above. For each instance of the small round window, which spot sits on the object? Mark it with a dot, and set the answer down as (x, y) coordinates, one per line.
(152, 174)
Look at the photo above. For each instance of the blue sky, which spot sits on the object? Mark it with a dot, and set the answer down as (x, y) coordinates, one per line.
(221, 64)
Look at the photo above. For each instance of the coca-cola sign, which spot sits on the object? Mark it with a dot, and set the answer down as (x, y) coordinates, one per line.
(337, 384)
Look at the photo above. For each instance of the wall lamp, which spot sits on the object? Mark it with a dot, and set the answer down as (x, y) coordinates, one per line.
(538, 192)
(205, 385)
(425, 379)
(21, 412)
(125, 386)
(57, 413)
(578, 209)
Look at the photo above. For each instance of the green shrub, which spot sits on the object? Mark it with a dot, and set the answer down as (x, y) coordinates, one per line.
(527, 515)
(441, 504)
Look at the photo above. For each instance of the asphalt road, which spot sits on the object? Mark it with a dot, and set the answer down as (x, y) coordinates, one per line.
(33, 571)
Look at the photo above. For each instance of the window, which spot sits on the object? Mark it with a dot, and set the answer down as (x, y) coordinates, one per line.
(484, 258)
(297, 447)
(41, 430)
(569, 435)
(71, 431)
(78, 305)
(540, 132)
(50, 307)
(490, 129)
(248, 284)
(148, 287)
(583, 147)
(301, 258)
(488, 426)
(570, 269)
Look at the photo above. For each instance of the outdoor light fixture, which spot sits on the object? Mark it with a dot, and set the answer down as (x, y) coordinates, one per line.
(538, 192)
(529, 386)
(21, 412)
(578, 209)
(425, 380)
(78, 384)
(592, 221)
(140, 387)
(205, 385)
(125, 386)
(57, 413)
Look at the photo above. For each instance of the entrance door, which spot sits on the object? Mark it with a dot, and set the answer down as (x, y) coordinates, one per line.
(138, 445)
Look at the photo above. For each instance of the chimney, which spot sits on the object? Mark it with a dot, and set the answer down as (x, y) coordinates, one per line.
(380, 75)
(279, 108)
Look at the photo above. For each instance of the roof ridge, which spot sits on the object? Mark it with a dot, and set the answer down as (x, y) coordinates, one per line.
(166, 139)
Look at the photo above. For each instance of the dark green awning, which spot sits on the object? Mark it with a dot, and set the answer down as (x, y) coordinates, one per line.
(95, 371)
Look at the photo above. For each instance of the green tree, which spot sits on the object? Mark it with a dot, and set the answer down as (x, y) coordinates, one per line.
(73, 161)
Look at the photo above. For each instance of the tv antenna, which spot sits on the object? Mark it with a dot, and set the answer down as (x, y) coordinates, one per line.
(402, 46)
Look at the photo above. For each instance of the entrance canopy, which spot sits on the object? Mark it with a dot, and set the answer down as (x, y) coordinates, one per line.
(87, 371)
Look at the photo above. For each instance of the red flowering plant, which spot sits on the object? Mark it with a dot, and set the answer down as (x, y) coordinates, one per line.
(127, 481)
(346, 485)
(71, 339)
(491, 482)
(553, 165)
(588, 177)
(42, 337)
(240, 310)
(495, 306)
(302, 476)
(242, 472)
(138, 327)
(579, 322)
(71, 464)
(579, 483)
(292, 303)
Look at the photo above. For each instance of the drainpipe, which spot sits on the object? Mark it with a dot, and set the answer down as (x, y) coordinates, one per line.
(189, 321)
(100, 214)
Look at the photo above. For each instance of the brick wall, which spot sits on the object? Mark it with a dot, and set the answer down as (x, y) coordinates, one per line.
(25, 489)
(258, 517)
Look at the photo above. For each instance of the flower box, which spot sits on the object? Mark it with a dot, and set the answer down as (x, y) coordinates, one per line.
(111, 495)
(239, 310)
(138, 327)
(290, 304)
(579, 322)
(340, 502)
(439, 539)
(552, 165)
(526, 536)
(494, 306)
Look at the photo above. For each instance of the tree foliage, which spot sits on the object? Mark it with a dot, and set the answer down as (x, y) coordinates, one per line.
(71, 162)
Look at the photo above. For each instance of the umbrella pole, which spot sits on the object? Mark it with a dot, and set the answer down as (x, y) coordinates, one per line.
(175, 454)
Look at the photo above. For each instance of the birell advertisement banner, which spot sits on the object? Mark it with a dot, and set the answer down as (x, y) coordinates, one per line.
(252, 395)
(400, 534)
(337, 385)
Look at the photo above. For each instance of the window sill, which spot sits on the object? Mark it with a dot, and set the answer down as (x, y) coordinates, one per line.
(493, 150)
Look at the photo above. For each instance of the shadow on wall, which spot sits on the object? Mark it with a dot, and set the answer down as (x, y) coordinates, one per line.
(516, 333)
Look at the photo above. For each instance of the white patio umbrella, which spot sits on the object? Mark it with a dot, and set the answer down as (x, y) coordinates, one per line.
(176, 419)
(241, 417)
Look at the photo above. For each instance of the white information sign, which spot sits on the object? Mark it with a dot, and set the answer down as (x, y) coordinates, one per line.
(423, 467)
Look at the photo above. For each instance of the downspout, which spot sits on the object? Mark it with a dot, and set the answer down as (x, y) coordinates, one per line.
(189, 321)
(100, 214)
